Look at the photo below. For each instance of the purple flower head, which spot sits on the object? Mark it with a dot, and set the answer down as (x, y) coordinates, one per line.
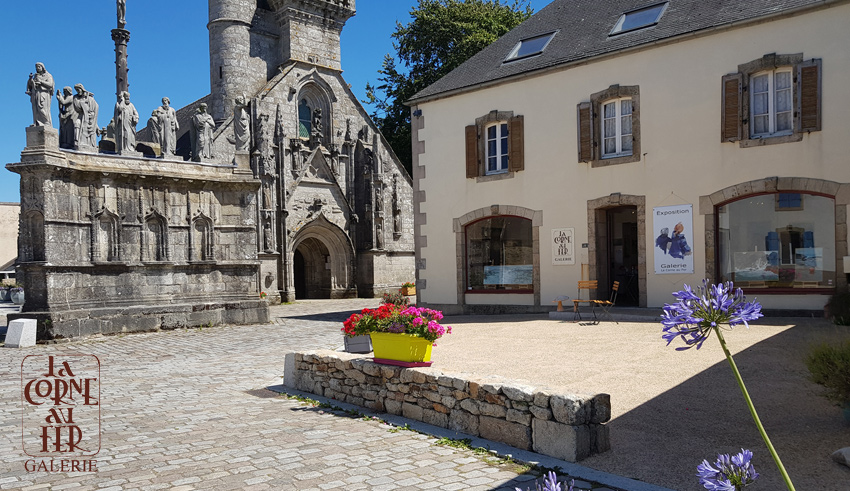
(729, 473)
(396, 327)
(550, 483)
(700, 310)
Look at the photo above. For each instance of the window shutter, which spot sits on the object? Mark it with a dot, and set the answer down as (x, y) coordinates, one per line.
(516, 150)
(809, 95)
(732, 108)
(472, 151)
(585, 132)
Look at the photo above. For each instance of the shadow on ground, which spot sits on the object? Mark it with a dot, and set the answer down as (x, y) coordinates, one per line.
(667, 436)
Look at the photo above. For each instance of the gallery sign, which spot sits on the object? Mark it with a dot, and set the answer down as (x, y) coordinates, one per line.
(60, 397)
(563, 246)
(673, 224)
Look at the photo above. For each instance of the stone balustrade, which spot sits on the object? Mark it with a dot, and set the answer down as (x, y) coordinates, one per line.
(565, 426)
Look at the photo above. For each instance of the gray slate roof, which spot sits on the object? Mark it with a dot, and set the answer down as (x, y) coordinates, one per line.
(583, 27)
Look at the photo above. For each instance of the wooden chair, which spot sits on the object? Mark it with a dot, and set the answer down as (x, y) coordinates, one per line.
(588, 286)
(606, 305)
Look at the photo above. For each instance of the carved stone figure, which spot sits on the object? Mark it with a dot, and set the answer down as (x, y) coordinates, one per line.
(263, 149)
(40, 89)
(379, 235)
(241, 124)
(85, 129)
(155, 125)
(126, 119)
(168, 122)
(122, 13)
(202, 134)
(318, 131)
(67, 117)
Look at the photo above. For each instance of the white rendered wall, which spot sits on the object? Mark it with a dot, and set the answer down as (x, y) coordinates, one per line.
(683, 158)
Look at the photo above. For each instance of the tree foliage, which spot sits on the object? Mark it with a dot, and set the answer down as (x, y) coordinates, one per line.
(441, 35)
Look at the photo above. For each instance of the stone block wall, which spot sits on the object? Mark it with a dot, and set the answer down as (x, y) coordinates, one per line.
(566, 426)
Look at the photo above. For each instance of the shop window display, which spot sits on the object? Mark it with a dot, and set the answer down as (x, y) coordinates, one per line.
(777, 241)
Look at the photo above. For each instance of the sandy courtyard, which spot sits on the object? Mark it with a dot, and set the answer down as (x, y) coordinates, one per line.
(672, 409)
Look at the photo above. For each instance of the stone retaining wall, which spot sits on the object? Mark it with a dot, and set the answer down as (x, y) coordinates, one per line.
(565, 426)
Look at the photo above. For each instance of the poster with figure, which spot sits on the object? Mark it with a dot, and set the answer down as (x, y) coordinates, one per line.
(563, 246)
(672, 227)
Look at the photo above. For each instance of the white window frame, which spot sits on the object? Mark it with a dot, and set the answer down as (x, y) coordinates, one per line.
(771, 112)
(618, 128)
(502, 158)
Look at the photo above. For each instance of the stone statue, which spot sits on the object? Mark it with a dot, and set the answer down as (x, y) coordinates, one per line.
(168, 122)
(201, 133)
(241, 124)
(67, 117)
(379, 235)
(318, 132)
(263, 147)
(85, 129)
(122, 13)
(40, 89)
(155, 126)
(126, 119)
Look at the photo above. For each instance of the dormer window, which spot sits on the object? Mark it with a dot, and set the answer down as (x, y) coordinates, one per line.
(639, 18)
(530, 47)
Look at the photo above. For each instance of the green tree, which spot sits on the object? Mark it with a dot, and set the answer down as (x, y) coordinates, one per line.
(441, 35)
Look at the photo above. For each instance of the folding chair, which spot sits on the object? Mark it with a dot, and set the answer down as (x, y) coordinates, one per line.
(606, 305)
(588, 286)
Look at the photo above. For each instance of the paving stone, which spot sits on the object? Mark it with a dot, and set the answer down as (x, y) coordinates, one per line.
(189, 409)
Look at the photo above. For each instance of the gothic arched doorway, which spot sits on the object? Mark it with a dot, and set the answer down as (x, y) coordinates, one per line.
(322, 265)
(310, 271)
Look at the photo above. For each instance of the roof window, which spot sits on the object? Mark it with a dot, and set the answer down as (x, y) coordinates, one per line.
(530, 47)
(639, 18)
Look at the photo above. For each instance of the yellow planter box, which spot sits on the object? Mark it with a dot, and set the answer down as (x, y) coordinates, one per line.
(400, 347)
(408, 290)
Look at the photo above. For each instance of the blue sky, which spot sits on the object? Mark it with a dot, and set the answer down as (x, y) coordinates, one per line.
(168, 56)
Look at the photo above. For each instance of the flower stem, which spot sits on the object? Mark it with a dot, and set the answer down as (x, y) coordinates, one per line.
(752, 409)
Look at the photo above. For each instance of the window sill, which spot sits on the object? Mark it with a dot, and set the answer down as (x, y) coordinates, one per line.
(605, 162)
(495, 177)
(771, 140)
(501, 291)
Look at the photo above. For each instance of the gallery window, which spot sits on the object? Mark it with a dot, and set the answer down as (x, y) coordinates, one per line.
(497, 148)
(771, 103)
(774, 99)
(617, 128)
(777, 241)
(609, 127)
(499, 255)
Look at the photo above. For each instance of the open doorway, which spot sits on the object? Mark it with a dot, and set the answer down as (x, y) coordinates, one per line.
(622, 260)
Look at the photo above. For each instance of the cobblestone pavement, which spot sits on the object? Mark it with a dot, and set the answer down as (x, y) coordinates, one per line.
(188, 409)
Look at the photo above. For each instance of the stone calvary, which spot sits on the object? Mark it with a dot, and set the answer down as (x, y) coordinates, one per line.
(277, 182)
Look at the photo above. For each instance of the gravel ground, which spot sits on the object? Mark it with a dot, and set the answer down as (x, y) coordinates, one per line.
(673, 409)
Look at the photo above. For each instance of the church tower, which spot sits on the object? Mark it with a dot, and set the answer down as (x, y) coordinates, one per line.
(250, 39)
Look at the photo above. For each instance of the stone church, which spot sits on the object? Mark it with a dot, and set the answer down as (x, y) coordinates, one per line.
(336, 213)
(291, 193)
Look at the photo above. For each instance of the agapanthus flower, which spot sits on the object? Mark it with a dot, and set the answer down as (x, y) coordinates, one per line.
(550, 483)
(699, 311)
(729, 473)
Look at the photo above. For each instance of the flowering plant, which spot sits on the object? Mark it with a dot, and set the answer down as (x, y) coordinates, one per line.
(416, 321)
(407, 285)
(700, 312)
(396, 298)
(550, 483)
(729, 473)
(263, 295)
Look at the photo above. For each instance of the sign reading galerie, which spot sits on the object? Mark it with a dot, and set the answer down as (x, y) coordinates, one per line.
(60, 396)
(563, 246)
(673, 224)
